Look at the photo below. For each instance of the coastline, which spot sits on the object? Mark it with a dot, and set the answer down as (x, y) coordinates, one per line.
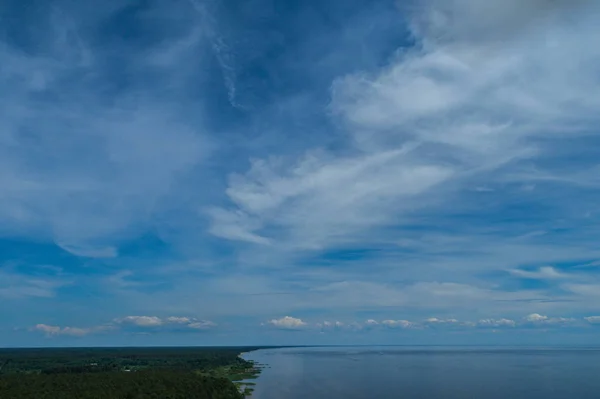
(245, 381)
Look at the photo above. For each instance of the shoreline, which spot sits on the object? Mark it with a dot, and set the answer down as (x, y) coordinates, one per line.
(246, 383)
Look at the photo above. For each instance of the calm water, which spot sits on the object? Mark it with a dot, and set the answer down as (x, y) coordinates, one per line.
(451, 373)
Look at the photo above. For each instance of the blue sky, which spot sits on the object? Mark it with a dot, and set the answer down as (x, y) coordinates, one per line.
(204, 172)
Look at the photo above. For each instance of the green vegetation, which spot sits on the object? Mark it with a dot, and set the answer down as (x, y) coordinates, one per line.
(145, 384)
(126, 373)
(234, 372)
(238, 373)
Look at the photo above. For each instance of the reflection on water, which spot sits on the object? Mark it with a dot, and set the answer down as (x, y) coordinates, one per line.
(457, 373)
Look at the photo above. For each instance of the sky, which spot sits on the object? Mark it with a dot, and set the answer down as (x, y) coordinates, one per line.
(269, 172)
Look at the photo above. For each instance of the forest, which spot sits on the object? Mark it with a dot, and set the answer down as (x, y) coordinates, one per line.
(124, 373)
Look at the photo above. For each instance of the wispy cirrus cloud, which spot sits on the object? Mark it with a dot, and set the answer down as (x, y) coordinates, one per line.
(386, 163)
(17, 285)
(77, 149)
(461, 99)
(545, 272)
(471, 105)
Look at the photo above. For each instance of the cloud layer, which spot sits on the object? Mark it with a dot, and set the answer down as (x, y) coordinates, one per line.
(378, 168)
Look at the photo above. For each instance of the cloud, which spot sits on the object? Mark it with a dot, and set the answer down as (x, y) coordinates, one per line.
(18, 285)
(85, 173)
(546, 272)
(484, 105)
(178, 320)
(75, 331)
(331, 325)
(593, 264)
(435, 320)
(314, 201)
(398, 324)
(151, 323)
(470, 105)
(485, 23)
(536, 318)
(222, 51)
(589, 291)
(141, 321)
(176, 324)
(50, 330)
(166, 323)
(201, 325)
(90, 252)
(423, 173)
(496, 323)
(287, 322)
(235, 225)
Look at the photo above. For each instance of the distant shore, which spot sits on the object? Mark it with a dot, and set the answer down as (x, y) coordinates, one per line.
(244, 381)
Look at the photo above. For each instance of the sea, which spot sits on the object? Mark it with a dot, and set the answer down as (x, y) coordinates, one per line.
(427, 373)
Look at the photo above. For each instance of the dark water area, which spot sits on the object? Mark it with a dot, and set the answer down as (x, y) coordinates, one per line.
(428, 373)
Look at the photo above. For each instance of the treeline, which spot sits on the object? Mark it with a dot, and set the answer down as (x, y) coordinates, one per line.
(79, 360)
(79, 369)
(121, 373)
(149, 384)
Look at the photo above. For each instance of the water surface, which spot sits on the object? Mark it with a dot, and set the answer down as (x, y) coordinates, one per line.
(428, 373)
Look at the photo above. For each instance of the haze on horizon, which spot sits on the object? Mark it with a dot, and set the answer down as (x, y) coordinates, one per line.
(202, 172)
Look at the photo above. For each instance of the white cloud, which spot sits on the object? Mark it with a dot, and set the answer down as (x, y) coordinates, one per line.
(87, 173)
(142, 321)
(484, 103)
(496, 323)
(546, 272)
(178, 320)
(156, 322)
(69, 331)
(287, 322)
(398, 324)
(586, 291)
(90, 251)
(561, 320)
(536, 318)
(75, 331)
(15, 285)
(487, 23)
(435, 320)
(330, 325)
(52, 330)
(593, 264)
(235, 225)
(201, 324)
(592, 319)
(471, 102)
(315, 201)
